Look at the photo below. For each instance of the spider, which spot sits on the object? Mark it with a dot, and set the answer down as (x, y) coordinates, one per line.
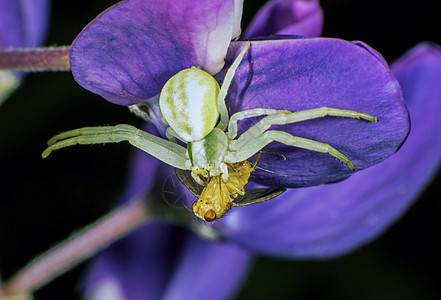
(193, 105)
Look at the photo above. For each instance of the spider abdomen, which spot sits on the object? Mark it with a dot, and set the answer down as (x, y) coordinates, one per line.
(188, 103)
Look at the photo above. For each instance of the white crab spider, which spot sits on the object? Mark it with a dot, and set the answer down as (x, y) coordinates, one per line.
(191, 103)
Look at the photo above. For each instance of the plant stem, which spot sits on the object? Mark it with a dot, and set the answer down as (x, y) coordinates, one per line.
(35, 59)
(77, 248)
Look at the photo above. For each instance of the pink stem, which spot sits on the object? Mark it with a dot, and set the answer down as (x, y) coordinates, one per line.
(35, 59)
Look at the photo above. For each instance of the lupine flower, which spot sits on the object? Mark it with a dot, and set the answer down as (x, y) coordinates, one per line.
(128, 53)
(22, 24)
(111, 57)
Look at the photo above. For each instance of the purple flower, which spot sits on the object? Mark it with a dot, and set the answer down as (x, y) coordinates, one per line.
(128, 53)
(126, 57)
(22, 24)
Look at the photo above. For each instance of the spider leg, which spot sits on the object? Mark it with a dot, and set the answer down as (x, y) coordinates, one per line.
(284, 117)
(224, 88)
(260, 141)
(171, 135)
(256, 112)
(166, 151)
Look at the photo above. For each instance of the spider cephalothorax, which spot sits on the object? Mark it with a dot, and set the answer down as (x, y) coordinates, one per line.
(193, 105)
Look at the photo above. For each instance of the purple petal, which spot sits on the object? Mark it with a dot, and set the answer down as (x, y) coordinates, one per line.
(129, 51)
(333, 219)
(299, 74)
(23, 23)
(208, 270)
(295, 17)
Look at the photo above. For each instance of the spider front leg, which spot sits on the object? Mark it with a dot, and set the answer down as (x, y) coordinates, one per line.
(259, 142)
(256, 112)
(224, 89)
(166, 151)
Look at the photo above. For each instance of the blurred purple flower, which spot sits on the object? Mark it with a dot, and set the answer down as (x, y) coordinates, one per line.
(294, 17)
(160, 260)
(22, 24)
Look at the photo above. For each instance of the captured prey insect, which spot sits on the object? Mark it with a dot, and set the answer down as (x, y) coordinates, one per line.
(215, 195)
(193, 105)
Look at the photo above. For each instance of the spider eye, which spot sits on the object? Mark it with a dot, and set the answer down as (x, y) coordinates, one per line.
(188, 102)
(209, 215)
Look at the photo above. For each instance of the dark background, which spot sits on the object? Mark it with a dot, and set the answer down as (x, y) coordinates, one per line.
(46, 200)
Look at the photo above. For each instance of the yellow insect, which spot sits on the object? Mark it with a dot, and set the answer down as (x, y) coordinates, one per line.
(215, 199)
(218, 196)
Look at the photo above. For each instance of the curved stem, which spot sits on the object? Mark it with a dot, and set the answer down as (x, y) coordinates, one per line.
(77, 248)
(35, 59)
